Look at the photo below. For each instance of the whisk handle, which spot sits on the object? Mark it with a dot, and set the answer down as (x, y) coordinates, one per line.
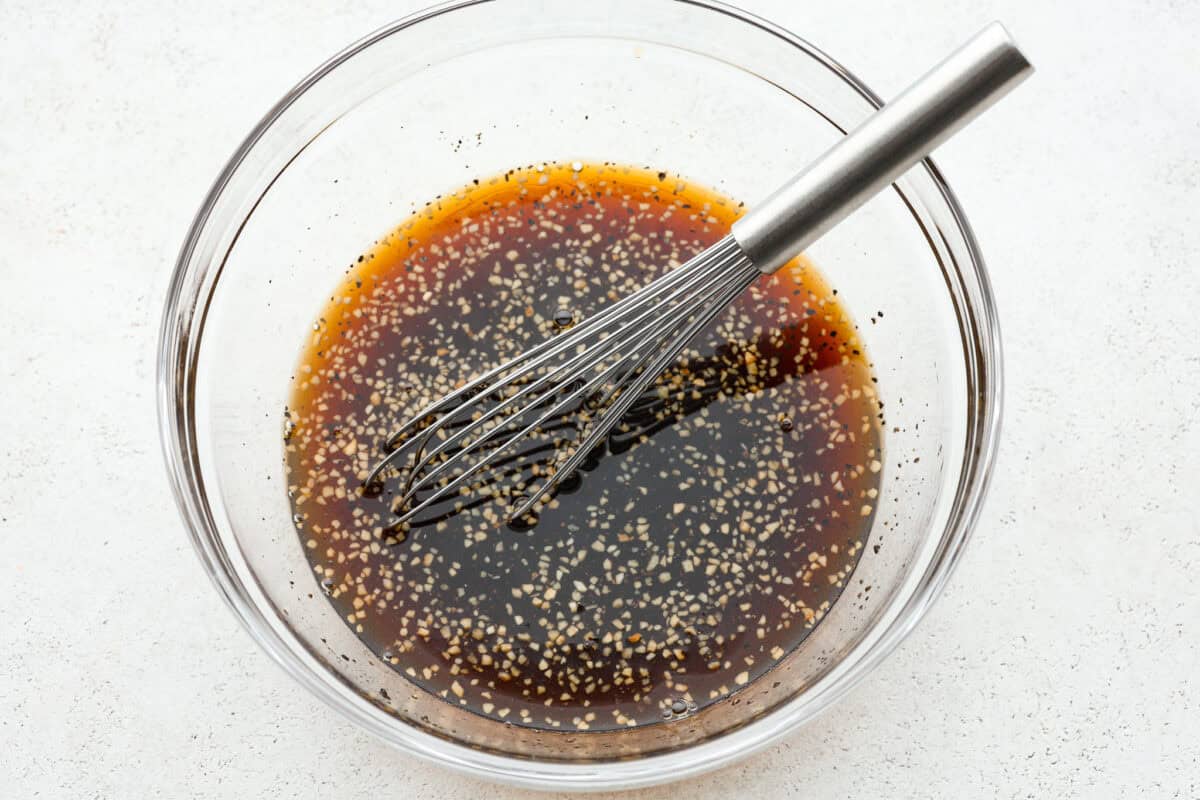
(882, 148)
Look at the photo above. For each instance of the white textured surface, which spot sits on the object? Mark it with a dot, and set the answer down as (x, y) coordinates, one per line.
(1063, 660)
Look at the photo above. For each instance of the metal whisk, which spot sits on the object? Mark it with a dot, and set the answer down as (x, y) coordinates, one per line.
(592, 374)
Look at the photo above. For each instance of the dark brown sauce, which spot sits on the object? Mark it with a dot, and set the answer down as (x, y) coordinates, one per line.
(708, 540)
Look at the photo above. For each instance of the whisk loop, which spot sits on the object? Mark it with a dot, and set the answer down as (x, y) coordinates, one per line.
(595, 370)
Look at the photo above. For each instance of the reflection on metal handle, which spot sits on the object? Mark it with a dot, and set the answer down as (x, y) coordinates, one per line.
(880, 150)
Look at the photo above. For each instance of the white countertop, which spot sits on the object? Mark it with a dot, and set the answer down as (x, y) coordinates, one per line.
(1064, 659)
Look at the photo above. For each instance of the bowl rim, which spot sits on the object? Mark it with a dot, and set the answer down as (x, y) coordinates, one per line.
(175, 372)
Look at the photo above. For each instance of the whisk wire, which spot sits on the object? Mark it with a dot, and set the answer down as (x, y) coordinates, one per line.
(534, 358)
(639, 335)
(628, 396)
(473, 469)
(585, 359)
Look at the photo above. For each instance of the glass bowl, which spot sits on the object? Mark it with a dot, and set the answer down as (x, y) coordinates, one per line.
(469, 89)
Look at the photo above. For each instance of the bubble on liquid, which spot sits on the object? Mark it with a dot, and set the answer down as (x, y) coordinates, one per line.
(786, 424)
(571, 483)
(327, 584)
(298, 520)
(526, 521)
(679, 706)
(564, 317)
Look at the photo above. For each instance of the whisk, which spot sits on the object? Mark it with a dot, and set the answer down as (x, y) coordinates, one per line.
(593, 373)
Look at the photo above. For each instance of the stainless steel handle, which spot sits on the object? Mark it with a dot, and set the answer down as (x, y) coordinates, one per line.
(881, 149)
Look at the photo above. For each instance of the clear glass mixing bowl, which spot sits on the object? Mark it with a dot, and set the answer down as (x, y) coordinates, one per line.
(469, 89)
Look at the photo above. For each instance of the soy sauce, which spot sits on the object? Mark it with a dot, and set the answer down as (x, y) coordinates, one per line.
(702, 544)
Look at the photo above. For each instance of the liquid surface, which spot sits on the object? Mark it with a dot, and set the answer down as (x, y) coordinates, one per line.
(704, 545)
